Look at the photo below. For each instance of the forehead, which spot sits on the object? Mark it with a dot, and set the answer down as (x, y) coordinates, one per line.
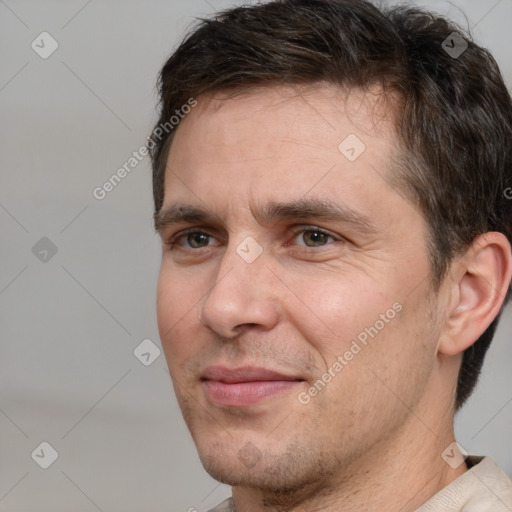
(275, 141)
(320, 113)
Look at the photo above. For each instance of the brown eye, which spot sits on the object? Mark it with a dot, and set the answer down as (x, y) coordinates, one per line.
(192, 240)
(313, 238)
(197, 240)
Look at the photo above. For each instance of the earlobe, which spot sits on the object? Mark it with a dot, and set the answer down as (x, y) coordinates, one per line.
(482, 277)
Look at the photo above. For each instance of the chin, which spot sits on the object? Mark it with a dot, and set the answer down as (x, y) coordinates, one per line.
(268, 478)
(291, 469)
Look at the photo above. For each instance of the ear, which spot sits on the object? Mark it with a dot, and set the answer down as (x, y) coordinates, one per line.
(478, 283)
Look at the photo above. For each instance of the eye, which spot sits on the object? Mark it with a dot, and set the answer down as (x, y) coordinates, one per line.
(192, 240)
(314, 237)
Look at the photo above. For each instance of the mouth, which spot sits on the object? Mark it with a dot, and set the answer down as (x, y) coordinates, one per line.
(244, 386)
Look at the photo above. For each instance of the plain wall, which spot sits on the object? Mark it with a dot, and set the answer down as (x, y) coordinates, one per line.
(69, 325)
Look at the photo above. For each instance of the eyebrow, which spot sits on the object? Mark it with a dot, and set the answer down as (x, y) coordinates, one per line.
(181, 213)
(300, 209)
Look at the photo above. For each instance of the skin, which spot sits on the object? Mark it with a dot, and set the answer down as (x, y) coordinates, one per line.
(372, 439)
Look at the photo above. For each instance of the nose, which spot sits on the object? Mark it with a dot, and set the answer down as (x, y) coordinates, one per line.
(242, 296)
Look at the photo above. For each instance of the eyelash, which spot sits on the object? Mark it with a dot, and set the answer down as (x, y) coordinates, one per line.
(175, 239)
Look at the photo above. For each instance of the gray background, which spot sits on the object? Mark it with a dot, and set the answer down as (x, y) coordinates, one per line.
(69, 325)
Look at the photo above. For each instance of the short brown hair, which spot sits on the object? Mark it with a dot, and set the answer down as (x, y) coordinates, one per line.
(454, 124)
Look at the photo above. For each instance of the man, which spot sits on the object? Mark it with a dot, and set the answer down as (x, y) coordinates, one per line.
(336, 252)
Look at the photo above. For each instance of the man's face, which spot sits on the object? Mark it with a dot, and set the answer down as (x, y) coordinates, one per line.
(267, 289)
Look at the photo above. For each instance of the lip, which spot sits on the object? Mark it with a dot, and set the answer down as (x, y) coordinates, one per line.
(244, 374)
(244, 386)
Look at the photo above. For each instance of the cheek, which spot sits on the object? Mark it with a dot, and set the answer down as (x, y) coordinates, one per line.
(165, 304)
(333, 311)
(175, 311)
